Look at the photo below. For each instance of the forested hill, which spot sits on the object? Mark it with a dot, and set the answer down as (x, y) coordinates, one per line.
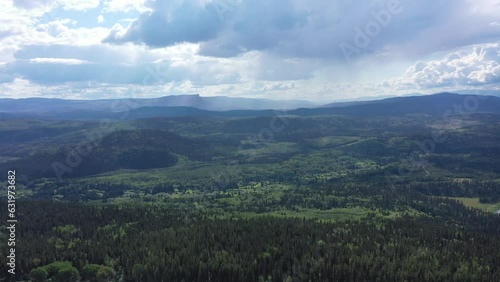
(435, 105)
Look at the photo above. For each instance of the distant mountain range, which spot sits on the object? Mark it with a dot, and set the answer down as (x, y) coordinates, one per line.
(219, 103)
(194, 105)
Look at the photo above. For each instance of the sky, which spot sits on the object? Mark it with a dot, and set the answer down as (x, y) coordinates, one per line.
(322, 50)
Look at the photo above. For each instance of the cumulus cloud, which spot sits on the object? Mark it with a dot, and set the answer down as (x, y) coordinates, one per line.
(458, 69)
(56, 28)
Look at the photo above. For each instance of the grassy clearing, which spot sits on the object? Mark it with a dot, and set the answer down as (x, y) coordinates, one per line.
(332, 141)
(474, 203)
(331, 215)
(271, 149)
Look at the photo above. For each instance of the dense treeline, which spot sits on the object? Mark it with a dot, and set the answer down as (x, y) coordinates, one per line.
(157, 243)
(486, 191)
(126, 149)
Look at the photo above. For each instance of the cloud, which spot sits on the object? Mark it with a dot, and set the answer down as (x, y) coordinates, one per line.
(56, 28)
(123, 5)
(58, 61)
(53, 64)
(295, 28)
(158, 28)
(271, 68)
(51, 72)
(76, 5)
(92, 53)
(5, 77)
(479, 67)
(30, 4)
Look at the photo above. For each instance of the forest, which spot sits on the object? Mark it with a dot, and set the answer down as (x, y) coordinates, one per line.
(283, 198)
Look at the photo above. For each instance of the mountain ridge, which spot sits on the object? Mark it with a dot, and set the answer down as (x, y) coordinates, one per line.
(435, 104)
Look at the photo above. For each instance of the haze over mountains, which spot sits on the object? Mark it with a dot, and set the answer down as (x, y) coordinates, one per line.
(195, 105)
(219, 103)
